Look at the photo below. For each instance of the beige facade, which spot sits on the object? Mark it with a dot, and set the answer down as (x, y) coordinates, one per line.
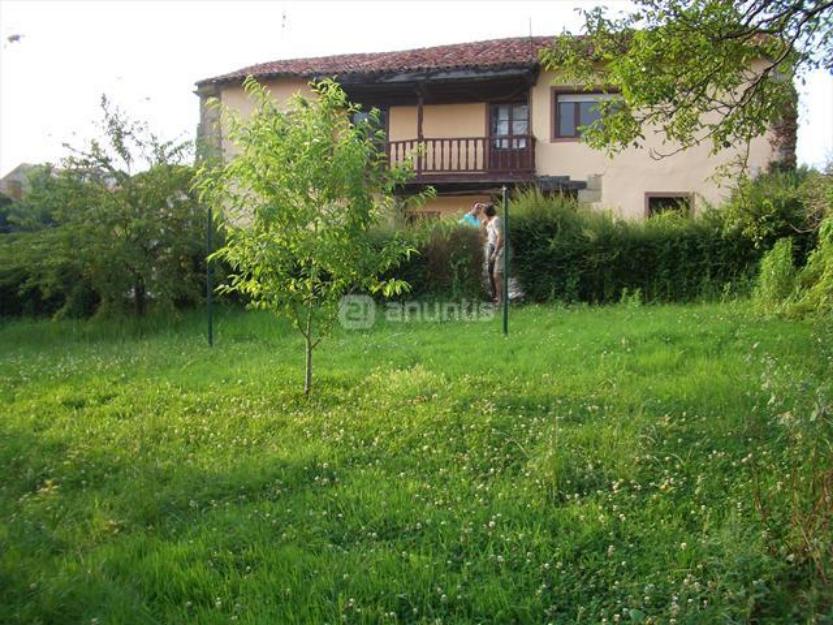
(234, 97)
(452, 204)
(439, 121)
(627, 177)
(619, 184)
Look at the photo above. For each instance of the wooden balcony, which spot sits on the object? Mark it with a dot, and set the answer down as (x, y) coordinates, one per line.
(464, 159)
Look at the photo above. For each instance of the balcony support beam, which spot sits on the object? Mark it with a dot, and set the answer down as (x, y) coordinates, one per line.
(420, 144)
(420, 100)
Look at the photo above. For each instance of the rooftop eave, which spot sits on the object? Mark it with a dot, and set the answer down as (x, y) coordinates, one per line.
(446, 75)
(392, 78)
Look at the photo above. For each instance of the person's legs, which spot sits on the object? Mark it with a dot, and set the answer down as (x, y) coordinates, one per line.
(497, 276)
(498, 282)
(490, 270)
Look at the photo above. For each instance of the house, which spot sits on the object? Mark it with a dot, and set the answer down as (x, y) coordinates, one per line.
(487, 114)
(15, 184)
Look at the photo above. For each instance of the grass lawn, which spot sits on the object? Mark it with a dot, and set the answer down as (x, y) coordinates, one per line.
(602, 465)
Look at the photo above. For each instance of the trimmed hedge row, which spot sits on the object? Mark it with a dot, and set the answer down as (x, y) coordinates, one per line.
(563, 252)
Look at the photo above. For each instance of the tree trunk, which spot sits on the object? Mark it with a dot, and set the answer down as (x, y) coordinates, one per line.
(308, 344)
(308, 371)
(139, 297)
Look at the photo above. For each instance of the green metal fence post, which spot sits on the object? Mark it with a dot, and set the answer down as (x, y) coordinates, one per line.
(505, 284)
(209, 287)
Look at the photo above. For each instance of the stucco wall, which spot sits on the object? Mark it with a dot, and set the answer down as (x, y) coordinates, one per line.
(438, 121)
(281, 89)
(441, 121)
(454, 120)
(626, 177)
(452, 205)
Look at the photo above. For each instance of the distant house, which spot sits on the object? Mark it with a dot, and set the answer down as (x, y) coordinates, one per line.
(16, 183)
(486, 114)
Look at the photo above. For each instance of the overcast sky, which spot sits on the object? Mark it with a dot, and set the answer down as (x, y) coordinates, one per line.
(147, 55)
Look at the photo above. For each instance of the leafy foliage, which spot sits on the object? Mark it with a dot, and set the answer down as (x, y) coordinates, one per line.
(116, 229)
(303, 194)
(712, 71)
(565, 252)
(776, 278)
(808, 290)
(772, 206)
(815, 281)
(448, 261)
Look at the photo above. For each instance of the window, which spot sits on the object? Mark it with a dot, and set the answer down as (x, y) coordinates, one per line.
(510, 126)
(658, 203)
(574, 110)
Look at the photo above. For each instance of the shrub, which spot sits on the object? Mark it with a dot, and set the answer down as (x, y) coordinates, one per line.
(768, 207)
(780, 204)
(566, 252)
(815, 281)
(808, 291)
(817, 197)
(448, 262)
(776, 277)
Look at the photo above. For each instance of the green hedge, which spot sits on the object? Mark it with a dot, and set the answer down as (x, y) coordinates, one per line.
(564, 252)
(448, 262)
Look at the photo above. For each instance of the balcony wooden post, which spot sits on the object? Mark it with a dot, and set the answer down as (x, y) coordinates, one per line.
(419, 132)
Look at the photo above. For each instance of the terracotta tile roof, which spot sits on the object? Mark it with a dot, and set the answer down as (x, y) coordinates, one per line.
(491, 54)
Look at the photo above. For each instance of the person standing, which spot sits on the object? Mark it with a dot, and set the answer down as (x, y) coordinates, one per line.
(496, 250)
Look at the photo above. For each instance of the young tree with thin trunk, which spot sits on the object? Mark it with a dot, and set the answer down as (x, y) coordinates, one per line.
(302, 195)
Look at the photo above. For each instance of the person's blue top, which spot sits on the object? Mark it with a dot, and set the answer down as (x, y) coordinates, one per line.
(470, 220)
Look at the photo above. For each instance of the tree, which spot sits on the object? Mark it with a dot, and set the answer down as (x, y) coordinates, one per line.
(713, 71)
(118, 223)
(303, 194)
(5, 204)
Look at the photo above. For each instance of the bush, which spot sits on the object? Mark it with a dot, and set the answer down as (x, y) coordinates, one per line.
(768, 207)
(776, 277)
(117, 229)
(447, 262)
(780, 204)
(814, 297)
(565, 252)
(808, 291)
(83, 248)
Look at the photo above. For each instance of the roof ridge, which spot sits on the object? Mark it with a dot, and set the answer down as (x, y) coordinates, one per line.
(363, 62)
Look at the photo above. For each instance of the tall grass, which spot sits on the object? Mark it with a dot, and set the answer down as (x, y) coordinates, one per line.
(618, 463)
(776, 278)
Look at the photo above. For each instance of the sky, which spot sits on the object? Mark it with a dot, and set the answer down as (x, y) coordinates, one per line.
(146, 56)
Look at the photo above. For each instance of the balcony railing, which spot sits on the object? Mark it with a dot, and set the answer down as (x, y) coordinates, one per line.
(466, 157)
